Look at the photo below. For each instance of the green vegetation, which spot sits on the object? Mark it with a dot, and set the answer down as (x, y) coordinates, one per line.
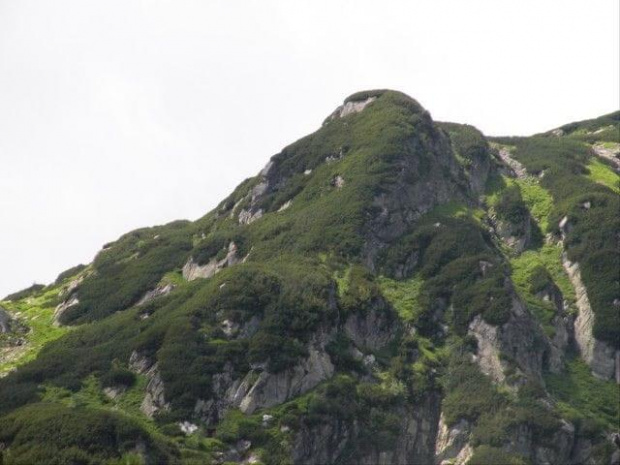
(125, 270)
(404, 296)
(603, 174)
(470, 146)
(590, 403)
(36, 311)
(541, 270)
(28, 292)
(593, 220)
(485, 455)
(538, 201)
(456, 259)
(55, 434)
(471, 396)
(309, 268)
(603, 128)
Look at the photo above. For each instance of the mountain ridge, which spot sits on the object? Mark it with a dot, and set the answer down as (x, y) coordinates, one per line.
(387, 289)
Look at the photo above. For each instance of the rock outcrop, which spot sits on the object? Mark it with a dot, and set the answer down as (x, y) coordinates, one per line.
(154, 398)
(261, 389)
(71, 301)
(5, 321)
(519, 343)
(452, 446)
(602, 358)
(159, 291)
(351, 107)
(192, 270)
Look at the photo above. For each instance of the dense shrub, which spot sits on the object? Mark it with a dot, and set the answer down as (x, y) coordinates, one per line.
(28, 292)
(592, 212)
(55, 434)
(128, 269)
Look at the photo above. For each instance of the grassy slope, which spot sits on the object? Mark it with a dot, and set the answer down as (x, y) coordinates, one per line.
(297, 257)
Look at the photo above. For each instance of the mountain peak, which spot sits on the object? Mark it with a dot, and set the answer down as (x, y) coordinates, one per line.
(387, 289)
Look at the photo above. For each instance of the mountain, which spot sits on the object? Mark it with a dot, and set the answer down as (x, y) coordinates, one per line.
(387, 290)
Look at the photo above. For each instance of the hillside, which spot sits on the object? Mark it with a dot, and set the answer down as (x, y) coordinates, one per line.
(388, 289)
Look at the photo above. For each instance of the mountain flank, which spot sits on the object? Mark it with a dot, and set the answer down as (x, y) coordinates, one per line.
(387, 290)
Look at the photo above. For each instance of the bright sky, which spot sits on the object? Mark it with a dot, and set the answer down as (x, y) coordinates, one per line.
(119, 114)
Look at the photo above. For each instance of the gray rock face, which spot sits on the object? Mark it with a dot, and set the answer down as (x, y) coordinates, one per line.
(271, 389)
(154, 398)
(191, 270)
(556, 451)
(516, 236)
(62, 307)
(5, 321)
(403, 202)
(350, 108)
(321, 444)
(520, 340)
(327, 441)
(602, 358)
(609, 153)
(452, 445)
(159, 291)
(517, 168)
(262, 389)
(372, 330)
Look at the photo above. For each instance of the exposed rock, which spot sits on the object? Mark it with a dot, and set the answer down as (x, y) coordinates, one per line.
(602, 358)
(517, 168)
(62, 307)
(249, 216)
(285, 205)
(350, 108)
(452, 446)
(403, 202)
(487, 355)
(160, 290)
(72, 286)
(261, 389)
(5, 321)
(154, 398)
(609, 152)
(516, 235)
(275, 388)
(557, 132)
(188, 428)
(560, 343)
(338, 182)
(192, 270)
(326, 442)
(556, 450)
(112, 392)
(519, 340)
(372, 329)
(266, 169)
(405, 269)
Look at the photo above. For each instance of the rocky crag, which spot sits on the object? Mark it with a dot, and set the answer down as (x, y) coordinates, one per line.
(387, 290)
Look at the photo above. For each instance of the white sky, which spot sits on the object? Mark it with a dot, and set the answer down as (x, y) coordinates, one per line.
(119, 114)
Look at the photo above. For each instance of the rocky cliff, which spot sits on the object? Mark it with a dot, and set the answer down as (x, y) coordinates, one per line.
(387, 290)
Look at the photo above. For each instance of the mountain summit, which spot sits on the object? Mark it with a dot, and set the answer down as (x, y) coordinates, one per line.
(387, 290)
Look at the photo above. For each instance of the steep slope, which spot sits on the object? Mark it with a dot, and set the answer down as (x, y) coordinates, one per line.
(381, 292)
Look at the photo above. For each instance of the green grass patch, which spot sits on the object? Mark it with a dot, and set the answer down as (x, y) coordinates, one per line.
(548, 256)
(403, 295)
(538, 201)
(584, 399)
(603, 174)
(37, 312)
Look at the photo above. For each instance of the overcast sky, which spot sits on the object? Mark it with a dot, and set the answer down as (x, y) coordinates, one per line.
(119, 114)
